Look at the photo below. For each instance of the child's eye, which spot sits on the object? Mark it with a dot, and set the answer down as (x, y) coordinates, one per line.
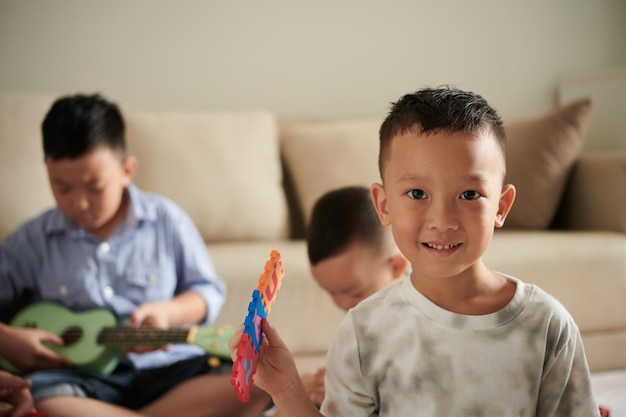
(470, 195)
(416, 194)
(63, 190)
(358, 295)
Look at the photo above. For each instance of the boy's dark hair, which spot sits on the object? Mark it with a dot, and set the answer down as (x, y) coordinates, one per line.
(340, 218)
(431, 110)
(77, 124)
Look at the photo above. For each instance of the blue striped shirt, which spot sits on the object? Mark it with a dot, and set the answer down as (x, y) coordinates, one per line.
(155, 254)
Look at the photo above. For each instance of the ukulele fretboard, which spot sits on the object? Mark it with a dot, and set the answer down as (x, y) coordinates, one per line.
(126, 336)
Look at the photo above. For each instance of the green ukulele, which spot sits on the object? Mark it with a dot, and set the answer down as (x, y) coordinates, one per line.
(93, 339)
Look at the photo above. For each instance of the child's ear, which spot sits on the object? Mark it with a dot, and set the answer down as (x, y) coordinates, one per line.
(399, 265)
(504, 205)
(129, 165)
(379, 199)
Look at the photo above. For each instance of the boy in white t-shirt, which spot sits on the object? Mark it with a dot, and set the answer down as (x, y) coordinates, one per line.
(455, 338)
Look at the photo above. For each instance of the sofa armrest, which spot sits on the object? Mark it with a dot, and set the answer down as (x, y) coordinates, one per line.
(595, 197)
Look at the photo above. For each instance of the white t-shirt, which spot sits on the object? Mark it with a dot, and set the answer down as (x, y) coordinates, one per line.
(397, 354)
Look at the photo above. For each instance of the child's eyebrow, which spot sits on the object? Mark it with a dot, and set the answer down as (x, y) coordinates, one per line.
(90, 183)
(58, 181)
(481, 179)
(476, 178)
(411, 178)
(94, 181)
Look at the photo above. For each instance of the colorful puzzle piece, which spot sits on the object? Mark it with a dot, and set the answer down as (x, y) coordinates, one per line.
(250, 343)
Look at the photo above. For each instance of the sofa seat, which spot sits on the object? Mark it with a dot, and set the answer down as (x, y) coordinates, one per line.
(306, 316)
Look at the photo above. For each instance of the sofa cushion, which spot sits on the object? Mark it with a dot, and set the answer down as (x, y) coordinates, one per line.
(541, 152)
(223, 169)
(322, 155)
(325, 154)
(23, 179)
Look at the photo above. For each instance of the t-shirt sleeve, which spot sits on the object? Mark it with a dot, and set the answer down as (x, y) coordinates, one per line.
(566, 389)
(346, 391)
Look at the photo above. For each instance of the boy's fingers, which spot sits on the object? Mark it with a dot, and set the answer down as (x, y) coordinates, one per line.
(234, 341)
(14, 382)
(22, 409)
(50, 337)
(50, 359)
(271, 334)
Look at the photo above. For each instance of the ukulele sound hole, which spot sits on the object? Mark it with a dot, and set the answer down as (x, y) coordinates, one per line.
(71, 335)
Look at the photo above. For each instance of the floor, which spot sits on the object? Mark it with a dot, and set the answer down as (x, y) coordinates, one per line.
(610, 390)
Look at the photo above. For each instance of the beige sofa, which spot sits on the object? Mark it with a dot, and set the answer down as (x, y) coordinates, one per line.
(249, 180)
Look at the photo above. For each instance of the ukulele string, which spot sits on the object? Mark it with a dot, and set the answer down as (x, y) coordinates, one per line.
(123, 335)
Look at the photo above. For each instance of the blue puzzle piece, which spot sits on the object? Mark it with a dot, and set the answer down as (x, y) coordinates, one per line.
(252, 322)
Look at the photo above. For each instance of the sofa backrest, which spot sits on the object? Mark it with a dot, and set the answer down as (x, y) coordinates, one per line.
(24, 190)
(224, 169)
(321, 155)
(541, 150)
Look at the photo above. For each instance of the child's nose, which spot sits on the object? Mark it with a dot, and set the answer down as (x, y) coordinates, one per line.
(442, 216)
(81, 201)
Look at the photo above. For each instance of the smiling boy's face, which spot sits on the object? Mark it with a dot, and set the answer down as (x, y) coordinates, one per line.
(89, 189)
(443, 195)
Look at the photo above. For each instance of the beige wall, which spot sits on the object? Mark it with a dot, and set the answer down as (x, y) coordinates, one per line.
(305, 58)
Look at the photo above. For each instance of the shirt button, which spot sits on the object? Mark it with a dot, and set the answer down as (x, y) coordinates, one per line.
(105, 247)
(63, 290)
(108, 292)
(152, 279)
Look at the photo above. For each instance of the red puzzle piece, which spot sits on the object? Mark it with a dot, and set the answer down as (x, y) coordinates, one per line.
(248, 350)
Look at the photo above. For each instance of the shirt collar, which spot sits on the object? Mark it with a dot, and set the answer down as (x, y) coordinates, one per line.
(140, 207)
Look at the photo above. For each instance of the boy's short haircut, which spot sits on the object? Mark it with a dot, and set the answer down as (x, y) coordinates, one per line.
(431, 110)
(340, 218)
(77, 124)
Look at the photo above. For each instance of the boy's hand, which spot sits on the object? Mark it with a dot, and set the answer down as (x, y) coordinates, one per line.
(14, 391)
(149, 315)
(314, 384)
(276, 371)
(24, 348)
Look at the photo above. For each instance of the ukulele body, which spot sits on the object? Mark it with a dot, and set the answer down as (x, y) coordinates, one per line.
(94, 341)
(80, 332)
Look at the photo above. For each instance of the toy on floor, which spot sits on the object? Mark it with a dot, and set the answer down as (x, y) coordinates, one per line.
(247, 354)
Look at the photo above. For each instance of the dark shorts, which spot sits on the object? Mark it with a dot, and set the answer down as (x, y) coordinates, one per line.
(125, 386)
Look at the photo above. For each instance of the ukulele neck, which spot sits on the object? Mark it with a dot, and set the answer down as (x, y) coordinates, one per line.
(126, 336)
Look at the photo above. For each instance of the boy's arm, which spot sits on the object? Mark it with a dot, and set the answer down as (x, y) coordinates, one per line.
(314, 384)
(25, 350)
(18, 263)
(196, 276)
